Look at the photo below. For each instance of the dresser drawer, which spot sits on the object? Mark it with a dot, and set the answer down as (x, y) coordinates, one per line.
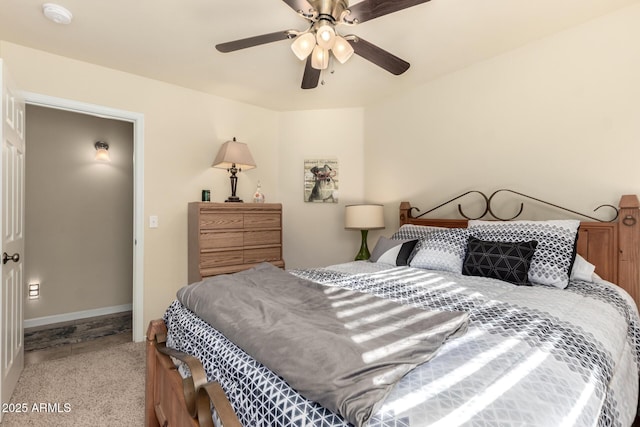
(261, 255)
(221, 239)
(217, 259)
(262, 220)
(217, 221)
(255, 238)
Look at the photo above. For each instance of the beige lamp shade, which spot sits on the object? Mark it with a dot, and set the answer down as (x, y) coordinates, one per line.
(364, 217)
(234, 153)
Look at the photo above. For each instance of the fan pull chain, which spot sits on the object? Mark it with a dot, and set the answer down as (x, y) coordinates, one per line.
(330, 68)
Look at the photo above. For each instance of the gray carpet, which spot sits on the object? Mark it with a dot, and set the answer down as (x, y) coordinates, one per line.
(100, 388)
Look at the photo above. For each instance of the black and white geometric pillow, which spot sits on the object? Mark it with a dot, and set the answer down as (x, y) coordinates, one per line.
(441, 249)
(394, 252)
(508, 261)
(411, 231)
(556, 250)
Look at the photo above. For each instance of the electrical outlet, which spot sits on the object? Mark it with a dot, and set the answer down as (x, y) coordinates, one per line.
(153, 221)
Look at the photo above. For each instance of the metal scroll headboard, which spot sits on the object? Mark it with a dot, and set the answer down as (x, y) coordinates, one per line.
(488, 208)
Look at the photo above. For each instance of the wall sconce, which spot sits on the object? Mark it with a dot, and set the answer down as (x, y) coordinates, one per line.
(102, 151)
(234, 156)
(363, 218)
(34, 290)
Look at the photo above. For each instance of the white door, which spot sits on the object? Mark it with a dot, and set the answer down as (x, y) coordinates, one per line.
(12, 218)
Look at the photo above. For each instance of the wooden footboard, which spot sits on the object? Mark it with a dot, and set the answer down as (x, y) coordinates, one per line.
(171, 400)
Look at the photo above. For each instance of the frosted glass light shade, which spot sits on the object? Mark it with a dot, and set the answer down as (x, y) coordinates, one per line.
(320, 58)
(325, 35)
(102, 151)
(303, 45)
(342, 49)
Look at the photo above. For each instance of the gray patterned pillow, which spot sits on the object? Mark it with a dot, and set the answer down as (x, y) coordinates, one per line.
(442, 249)
(411, 231)
(556, 250)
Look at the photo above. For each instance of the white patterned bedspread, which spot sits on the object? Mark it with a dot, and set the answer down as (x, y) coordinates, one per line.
(533, 355)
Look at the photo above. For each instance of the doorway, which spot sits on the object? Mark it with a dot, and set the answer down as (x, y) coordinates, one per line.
(136, 248)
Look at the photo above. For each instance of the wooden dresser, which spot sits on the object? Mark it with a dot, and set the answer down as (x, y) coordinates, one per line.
(230, 237)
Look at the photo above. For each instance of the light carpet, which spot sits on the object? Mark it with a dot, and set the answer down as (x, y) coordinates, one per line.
(99, 388)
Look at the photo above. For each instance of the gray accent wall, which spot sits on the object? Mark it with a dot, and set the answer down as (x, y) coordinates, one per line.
(79, 213)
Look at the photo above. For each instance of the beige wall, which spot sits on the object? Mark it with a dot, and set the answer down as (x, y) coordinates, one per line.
(79, 226)
(314, 232)
(558, 119)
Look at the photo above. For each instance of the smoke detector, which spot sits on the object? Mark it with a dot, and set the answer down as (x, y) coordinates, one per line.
(57, 13)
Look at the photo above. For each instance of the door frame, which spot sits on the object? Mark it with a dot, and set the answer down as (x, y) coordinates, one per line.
(138, 186)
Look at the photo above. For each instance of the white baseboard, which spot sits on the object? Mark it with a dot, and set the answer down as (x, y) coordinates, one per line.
(66, 317)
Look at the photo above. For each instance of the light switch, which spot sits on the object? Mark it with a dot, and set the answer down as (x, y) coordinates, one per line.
(153, 221)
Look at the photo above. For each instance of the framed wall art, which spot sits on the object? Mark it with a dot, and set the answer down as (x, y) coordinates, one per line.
(321, 180)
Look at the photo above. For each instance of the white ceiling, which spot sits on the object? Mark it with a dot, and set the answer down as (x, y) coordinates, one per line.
(174, 41)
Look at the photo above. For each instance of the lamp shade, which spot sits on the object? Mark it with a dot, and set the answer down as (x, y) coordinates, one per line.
(342, 50)
(319, 58)
(303, 45)
(325, 34)
(102, 151)
(364, 217)
(234, 153)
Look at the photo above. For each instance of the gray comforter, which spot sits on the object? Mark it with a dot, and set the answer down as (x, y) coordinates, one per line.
(339, 348)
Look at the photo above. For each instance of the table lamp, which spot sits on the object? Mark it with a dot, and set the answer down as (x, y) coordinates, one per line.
(363, 217)
(234, 156)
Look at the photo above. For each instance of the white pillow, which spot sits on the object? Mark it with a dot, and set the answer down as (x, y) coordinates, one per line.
(582, 269)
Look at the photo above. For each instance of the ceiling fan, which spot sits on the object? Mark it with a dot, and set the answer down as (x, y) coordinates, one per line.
(321, 39)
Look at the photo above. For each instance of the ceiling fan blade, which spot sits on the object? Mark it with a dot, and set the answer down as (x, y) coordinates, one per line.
(367, 10)
(311, 76)
(379, 56)
(253, 41)
(299, 5)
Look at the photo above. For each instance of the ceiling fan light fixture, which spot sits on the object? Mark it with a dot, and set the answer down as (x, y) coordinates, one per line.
(319, 58)
(325, 35)
(303, 45)
(342, 49)
(323, 39)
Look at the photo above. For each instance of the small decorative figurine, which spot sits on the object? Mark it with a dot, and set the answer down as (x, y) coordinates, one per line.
(258, 197)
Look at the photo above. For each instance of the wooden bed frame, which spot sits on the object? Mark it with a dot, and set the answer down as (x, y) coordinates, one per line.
(614, 247)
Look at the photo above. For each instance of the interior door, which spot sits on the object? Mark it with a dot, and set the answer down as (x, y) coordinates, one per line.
(12, 219)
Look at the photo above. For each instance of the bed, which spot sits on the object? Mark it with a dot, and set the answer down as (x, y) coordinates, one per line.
(561, 353)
